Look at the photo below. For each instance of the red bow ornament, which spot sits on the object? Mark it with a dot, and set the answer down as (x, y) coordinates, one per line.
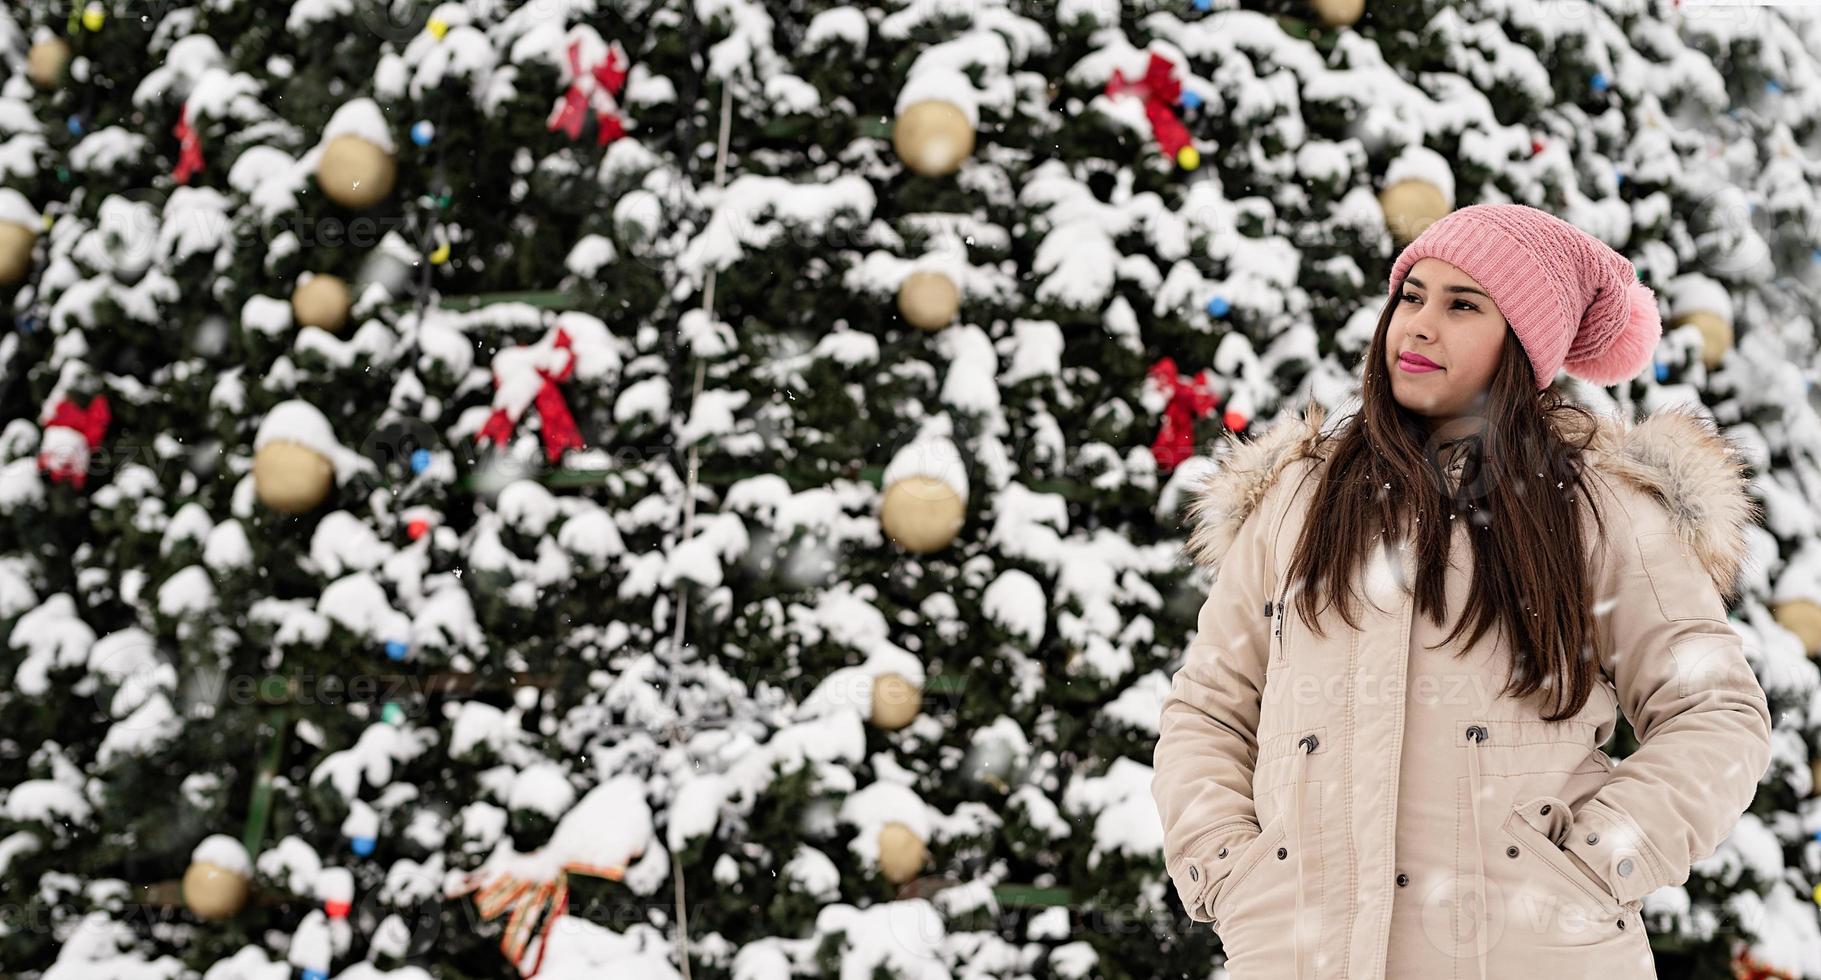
(524, 376)
(595, 86)
(1160, 89)
(1189, 399)
(189, 148)
(71, 435)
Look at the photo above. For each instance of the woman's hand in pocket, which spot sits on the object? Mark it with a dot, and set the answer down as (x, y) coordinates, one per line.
(1592, 875)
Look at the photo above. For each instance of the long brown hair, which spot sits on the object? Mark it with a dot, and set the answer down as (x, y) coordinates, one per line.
(1518, 489)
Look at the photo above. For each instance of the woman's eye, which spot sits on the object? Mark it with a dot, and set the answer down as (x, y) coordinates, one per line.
(1413, 298)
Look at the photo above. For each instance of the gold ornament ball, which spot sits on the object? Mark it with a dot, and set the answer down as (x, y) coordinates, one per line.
(901, 853)
(896, 701)
(94, 16)
(1339, 13)
(1803, 618)
(47, 61)
(1411, 206)
(928, 300)
(213, 892)
(355, 173)
(290, 478)
(15, 252)
(932, 137)
(922, 514)
(1716, 335)
(322, 301)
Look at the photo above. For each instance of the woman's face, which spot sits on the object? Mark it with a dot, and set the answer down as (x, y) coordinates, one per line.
(1445, 317)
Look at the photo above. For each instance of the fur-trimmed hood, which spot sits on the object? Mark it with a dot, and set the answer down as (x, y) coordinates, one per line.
(1674, 455)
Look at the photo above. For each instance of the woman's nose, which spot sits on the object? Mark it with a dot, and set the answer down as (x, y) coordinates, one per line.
(1421, 325)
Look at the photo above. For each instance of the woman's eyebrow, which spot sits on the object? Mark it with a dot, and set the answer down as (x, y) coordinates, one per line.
(1418, 283)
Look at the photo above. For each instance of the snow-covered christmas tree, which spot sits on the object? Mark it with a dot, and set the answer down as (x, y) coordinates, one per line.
(666, 489)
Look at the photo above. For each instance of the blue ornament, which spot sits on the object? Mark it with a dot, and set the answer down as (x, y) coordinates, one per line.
(75, 124)
(1600, 82)
(422, 132)
(29, 323)
(1771, 86)
(363, 846)
(420, 460)
(1204, 5)
(1662, 372)
(1619, 175)
(1218, 306)
(396, 649)
(1190, 100)
(315, 974)
(1814, 255)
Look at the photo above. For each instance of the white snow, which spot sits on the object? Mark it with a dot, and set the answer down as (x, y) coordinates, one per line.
(542, 787)
(610, 826)
(813, 873)
(1120, 805)
(140, 733)
(312, 947)
(1016, 602)
(225, 853)
(45, 801)
(363, 118)
(292, 863)
(16, 208)
(904, 938)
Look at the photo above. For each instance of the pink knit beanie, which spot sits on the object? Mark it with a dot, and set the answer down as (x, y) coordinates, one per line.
(1574, 303)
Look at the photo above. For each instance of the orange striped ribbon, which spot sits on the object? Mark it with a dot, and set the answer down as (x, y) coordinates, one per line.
(535, 907)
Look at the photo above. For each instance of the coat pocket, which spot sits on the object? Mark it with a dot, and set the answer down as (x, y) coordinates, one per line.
(1247, 860)
(1262, 922)
(1526, 748)
(1537, 828)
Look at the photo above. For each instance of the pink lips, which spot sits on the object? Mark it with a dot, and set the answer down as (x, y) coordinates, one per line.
(1416, 363)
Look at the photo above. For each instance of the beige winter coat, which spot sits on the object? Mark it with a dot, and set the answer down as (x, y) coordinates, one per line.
(1337, 806)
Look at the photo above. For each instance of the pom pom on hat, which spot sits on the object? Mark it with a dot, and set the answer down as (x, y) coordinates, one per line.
(1573, 302)
(1628, 353)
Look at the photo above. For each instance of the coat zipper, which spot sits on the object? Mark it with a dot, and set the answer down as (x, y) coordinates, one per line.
(1277, 629)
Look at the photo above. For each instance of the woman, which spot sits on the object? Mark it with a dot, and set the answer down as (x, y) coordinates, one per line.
(1382, 754)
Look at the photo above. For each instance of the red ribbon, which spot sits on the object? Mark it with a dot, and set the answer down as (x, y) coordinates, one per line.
(1744, 967)
(607, 75)
(189, 148)
(1160, 89)
(92, 422)
(559, 430)
(535, 907)
(1190, 399)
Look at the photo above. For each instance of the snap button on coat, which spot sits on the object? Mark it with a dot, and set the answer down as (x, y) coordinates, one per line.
(1437, 777)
